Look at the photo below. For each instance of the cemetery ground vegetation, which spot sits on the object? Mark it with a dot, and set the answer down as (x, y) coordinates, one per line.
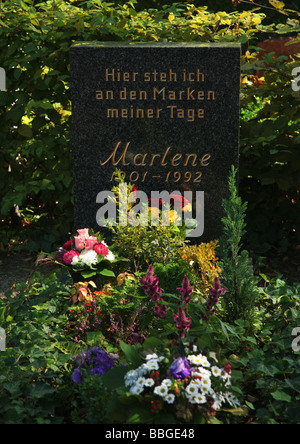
(121, 350)
(71, 343)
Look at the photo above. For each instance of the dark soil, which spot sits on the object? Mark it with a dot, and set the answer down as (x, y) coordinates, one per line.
(15, 267)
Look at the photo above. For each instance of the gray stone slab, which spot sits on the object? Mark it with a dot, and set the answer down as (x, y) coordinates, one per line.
(167, 114)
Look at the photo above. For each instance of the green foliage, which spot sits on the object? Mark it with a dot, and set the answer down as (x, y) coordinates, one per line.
(271, 366)
(92, 401)
(35, 111)
(237, 274)
(270, 167)
(34, 370)
(171, 275)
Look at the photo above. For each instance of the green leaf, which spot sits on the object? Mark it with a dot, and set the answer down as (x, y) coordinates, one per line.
(88, 274)
(277, 4)
(114, 378)
(281, 396)
(131, 354)
(25, 131)
(107, 273)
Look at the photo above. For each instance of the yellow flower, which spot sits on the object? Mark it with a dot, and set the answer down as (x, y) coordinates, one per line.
(188, 208)
(154, 213)
(171, 216)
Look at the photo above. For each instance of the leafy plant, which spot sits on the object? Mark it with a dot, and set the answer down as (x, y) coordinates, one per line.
(34, 369)
(203, 264)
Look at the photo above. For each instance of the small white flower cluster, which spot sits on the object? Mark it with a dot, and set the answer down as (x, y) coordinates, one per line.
(90, 257)
(200, 383)
(87, 257)
(200, 386)
(136, 380)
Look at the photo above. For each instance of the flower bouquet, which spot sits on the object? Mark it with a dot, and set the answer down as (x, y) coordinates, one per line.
(86, 255)
(190, 390)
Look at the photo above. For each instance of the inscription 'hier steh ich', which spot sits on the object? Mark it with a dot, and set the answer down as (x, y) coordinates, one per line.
(182, 89)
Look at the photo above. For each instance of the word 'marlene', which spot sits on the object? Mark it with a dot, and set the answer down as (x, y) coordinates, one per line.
(163, 159)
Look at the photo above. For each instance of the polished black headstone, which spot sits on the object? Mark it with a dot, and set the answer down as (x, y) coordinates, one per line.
(166, 114)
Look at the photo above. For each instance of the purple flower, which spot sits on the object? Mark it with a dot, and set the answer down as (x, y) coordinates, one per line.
(150, 285)
(76, 376)
(180, 368)
(160, 311)
(186, 290)
(100, 361)
(95, 360)
(136, 338)
(182, 322)
(215, 292)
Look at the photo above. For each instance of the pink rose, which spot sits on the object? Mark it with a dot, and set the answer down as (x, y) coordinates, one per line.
(84, 241)
(80, 239)
(69, 256)
(101, 249)
(90, 242)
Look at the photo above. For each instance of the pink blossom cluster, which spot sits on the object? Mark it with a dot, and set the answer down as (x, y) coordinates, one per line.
(150, 284)
(181, 319)
(151, 288)
(83, 242)
(215, 293)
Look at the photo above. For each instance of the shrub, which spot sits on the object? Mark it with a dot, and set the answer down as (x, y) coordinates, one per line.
(203, 264)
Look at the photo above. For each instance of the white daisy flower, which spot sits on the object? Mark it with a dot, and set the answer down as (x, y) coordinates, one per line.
(191, 358)
(225, 376)
(136, 390)
(161, 390)
(170, 398)
(206, 382)
(205, 362)
(192, 389)
(203, 372)
(149, 382)
(167, 382)
(141, 381)
(153, 356)
(216, 371)
(200, 399)
(205, 390)
(152, 364)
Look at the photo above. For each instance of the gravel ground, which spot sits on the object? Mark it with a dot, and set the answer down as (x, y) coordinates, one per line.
(15, 267)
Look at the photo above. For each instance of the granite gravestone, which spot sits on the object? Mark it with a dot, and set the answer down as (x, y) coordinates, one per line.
(166, 114)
